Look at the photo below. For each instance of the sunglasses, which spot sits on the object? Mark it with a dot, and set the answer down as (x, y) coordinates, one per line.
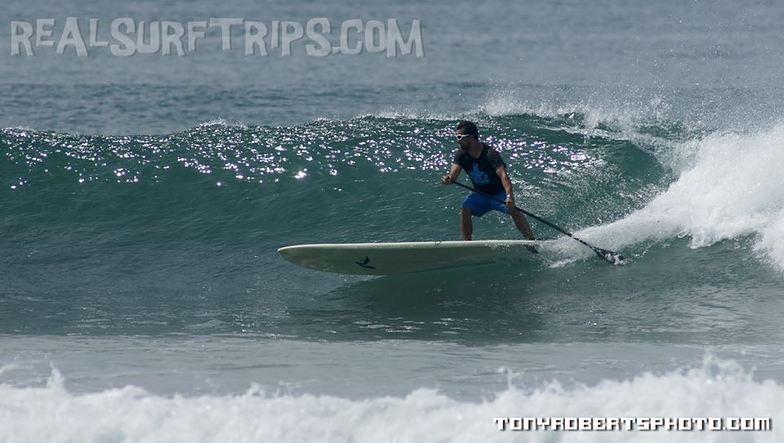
(461, 136)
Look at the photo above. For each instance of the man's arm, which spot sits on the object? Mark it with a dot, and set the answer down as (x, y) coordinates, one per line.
(501, 171)
(453, 173)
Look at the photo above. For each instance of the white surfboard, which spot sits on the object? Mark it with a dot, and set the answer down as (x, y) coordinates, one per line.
(405, 257)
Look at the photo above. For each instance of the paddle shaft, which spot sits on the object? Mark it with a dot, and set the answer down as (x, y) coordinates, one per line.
(599, 251)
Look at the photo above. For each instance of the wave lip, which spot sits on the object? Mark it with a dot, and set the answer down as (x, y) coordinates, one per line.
(729, 187)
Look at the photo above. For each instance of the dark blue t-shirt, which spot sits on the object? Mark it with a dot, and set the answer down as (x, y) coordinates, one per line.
(481, 170)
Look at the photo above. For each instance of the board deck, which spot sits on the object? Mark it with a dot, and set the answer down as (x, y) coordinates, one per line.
(404, 257)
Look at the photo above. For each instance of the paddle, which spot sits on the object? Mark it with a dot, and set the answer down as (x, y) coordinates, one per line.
(607, 255)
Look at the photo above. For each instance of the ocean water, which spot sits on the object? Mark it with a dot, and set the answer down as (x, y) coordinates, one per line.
(143, 199)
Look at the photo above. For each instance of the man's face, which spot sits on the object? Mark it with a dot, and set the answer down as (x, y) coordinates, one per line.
(462, 139)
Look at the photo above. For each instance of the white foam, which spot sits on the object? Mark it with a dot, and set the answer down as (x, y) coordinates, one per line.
(729, 186)
(603, 108)
(411, 113)
(604, 115)
(221, 122)
(716, 389)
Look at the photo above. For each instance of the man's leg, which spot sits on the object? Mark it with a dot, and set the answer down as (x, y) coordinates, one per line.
(466, 226)
(522, 224)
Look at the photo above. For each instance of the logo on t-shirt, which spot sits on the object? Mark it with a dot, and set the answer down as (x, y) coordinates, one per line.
(479, 177)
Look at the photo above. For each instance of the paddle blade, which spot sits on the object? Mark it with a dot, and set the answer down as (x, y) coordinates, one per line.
(611, 257)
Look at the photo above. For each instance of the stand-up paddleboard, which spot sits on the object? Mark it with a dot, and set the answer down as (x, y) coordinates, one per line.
(405, 257)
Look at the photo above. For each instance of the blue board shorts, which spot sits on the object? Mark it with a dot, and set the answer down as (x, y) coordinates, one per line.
(480, 204)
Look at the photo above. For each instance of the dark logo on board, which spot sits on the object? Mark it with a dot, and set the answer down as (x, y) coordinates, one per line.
(364, 263)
